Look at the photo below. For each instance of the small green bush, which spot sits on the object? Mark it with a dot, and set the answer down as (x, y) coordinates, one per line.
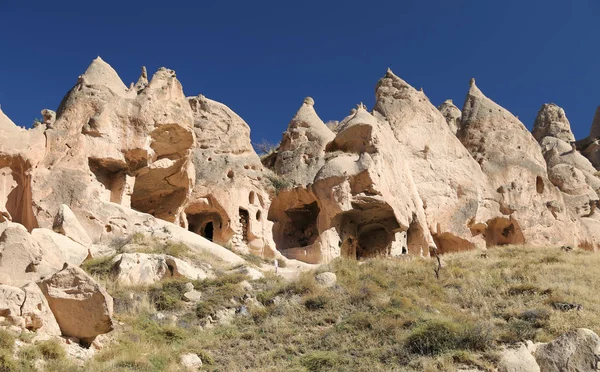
(7, 340)
(168, 295)
(316, 302)
(101, 266)
(433, 337)
(436, 337)
(51, 350)
(178, 250)
(318, 361)
(7, 362)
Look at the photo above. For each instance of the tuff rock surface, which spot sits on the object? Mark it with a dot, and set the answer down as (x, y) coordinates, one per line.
(403, 178)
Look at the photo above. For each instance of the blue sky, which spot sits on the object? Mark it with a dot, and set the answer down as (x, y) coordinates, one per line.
(261, 58)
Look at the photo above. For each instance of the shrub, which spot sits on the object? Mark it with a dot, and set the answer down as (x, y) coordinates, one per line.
(101, 266)
(316, 302)
(7, 340)
(281, 262)
(168, 296)
(433, 337)
(179, 250)
(518, 330)
(7, 362)
(318, 361)
(51, 350)
(279, 183)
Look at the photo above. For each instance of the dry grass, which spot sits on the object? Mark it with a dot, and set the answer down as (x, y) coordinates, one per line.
(383, 315)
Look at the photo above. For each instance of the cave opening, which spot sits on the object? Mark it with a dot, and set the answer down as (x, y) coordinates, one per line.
(205, 224)
(300, 229)
(244, 223)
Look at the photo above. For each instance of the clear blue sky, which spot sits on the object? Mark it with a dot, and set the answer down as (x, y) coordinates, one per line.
(261, 58)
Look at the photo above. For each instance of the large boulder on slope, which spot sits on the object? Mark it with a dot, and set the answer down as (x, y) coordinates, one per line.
(576, 351)
(82, 308)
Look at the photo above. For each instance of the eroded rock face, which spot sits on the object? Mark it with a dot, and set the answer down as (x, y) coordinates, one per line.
(569, 171)
(229, 202)
(450, 183)
(362, 203)
(511, 159)
(82, 308)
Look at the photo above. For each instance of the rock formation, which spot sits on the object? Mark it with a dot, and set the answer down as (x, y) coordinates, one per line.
(452, 114)
(405, 178)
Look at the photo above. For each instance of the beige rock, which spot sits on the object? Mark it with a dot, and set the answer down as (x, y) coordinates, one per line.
(302, 150)
(362, 203)
(67, 224)
(452, 114)
(517, 359)
(449, 181)
(11, 300)
(36, 311)
(552, 121)
(191, 362)
(20, 256)
(82, 308)
(512, 161)
(250, 272)
(576, 350)
(142, 268)
(326, 279)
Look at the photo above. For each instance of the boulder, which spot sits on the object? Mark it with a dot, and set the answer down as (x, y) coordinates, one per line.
(144, 268)
(20, 256)
(82, 308)
(37, 313)
(11, 300)
(517, 359)
(250, 272)
(67, 224)
(575, 351)
(326, 279)
(191, 362)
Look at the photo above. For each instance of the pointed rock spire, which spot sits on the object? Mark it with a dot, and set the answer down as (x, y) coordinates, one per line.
(303, 143)
(552, 121)
(492, 134)
(101, 73)
(595, 130)
(452, 114)
(143, 80)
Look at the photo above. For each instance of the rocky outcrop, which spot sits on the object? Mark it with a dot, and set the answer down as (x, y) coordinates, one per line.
(517, 359)
(448, 180)
(532, 210)
(452, 114)
(229, 201)
(576, 350)
(82, 308)
(569, 171)
(144, 269)
(362, 202)
(301, 152)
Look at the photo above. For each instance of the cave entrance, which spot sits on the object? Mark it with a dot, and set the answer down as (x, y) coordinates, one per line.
(373, 241)
(300, 229)
(503, 231)
(205, 224)
(208, 231)
(244, 223)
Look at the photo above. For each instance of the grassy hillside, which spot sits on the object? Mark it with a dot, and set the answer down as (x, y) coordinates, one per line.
(382, 315)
